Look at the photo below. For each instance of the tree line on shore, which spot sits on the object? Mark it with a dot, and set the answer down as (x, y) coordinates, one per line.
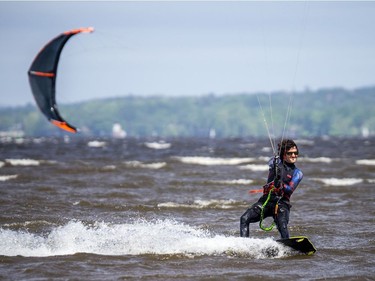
(331, 112)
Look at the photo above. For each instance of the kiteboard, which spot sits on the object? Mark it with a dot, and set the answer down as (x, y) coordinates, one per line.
(299, 243)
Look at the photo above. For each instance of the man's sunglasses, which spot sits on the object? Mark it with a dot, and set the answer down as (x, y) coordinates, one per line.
(291, 153)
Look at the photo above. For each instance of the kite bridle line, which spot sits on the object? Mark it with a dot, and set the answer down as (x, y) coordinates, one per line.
(301, 37)
(276, 151)
(300, 45)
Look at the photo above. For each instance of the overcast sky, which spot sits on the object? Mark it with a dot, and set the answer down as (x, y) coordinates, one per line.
(189, 48)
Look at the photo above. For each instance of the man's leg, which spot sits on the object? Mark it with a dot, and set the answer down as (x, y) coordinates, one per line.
(282, 220)
(251, 215)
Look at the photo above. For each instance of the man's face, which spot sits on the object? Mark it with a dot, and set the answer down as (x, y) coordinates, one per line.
(291, 155)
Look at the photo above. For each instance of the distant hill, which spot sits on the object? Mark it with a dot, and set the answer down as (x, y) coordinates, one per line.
(333, 112)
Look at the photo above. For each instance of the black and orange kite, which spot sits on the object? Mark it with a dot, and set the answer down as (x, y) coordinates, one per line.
(42, 77)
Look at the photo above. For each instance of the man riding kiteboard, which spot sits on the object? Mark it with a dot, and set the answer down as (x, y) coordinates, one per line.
(283, 179)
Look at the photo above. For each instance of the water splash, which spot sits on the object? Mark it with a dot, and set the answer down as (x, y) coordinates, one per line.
(140, 237)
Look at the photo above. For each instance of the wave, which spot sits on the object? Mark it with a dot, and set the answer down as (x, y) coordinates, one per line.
(255, 167)
(163, 237)
(7, 177)
(368, 162)
(208, 161)
(23, 162)
(96, 143)
(157, 145)
(138, 164)
(239, 181)
(339, 181)
(26, 162)
(2, 164)
(109, 167)
(201, 204)
(316, 160)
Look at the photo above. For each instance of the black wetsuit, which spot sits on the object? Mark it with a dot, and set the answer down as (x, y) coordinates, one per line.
(290, 177)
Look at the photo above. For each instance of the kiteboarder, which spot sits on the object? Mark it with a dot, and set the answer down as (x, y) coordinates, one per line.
(283, 179)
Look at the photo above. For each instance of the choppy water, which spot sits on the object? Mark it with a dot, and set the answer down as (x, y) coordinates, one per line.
(79, 209)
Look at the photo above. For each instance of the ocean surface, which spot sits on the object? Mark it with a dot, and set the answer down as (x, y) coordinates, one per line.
(151, 209)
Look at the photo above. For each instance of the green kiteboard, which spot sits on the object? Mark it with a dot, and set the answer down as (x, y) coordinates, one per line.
(299, 243)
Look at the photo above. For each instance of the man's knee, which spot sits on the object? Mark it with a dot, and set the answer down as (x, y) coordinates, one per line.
(243, 219)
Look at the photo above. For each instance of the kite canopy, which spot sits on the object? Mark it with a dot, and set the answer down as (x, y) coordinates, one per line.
(42, 77)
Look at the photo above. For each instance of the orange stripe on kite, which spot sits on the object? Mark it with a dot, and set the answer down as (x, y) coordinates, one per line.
(78, 30)
(64, 126)
(43, 74)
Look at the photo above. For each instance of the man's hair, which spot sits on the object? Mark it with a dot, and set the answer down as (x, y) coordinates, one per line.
(284, 146)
